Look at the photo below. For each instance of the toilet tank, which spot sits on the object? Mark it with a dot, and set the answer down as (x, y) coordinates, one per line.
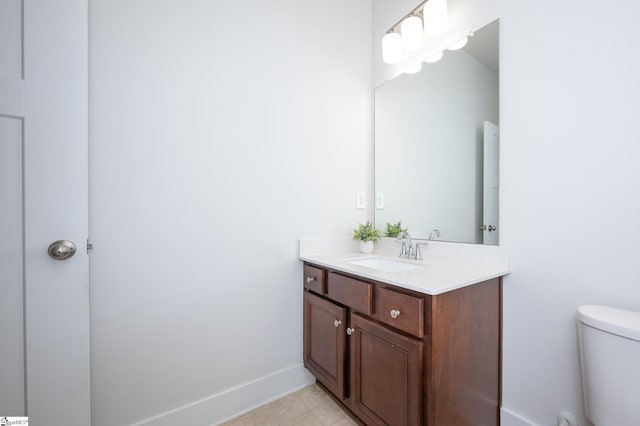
(609, 343)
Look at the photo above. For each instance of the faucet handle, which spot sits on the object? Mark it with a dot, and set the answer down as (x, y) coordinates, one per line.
(402, 235)
(407, 244)
(418, 251)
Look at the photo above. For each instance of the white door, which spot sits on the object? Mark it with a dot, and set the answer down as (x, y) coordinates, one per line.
(491, 183)
(44, 306)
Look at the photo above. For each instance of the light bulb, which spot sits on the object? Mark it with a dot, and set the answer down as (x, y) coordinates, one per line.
(436, 17)
(459, 44)
(434, 58)
(391, 48)
(411, 31)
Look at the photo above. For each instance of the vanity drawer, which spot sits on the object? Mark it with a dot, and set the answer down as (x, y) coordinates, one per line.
(401, 311)
(351, 292)
(314, 279)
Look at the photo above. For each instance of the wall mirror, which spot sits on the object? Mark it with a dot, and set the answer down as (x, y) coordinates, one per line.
(436, 146)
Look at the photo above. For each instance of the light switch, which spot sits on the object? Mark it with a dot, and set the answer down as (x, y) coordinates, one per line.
(379, 200)
(360, 199)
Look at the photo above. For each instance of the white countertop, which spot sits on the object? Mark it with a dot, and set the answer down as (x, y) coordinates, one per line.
(445, 267)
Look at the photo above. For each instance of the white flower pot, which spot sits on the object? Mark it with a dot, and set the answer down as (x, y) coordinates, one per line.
(366, 246)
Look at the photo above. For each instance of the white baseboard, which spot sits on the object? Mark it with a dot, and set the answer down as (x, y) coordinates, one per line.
(509, 418)
(223, 406)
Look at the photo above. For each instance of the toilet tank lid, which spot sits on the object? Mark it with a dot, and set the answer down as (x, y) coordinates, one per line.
(612, 320)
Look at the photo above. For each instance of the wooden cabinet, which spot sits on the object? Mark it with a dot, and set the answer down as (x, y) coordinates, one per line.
(386, 374)
(356, 294)
(401, 311)
(325, 342)
(400, 357)
(315, 279)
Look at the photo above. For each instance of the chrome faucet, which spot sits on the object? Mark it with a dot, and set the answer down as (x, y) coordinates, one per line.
(434, 234)
(408, 250)
(407, 246)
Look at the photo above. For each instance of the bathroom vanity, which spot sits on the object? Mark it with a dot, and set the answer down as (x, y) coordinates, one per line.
(418, 342)
(414, 346)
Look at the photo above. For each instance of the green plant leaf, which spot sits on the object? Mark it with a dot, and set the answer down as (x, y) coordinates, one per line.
(366, 232)
(394, 230)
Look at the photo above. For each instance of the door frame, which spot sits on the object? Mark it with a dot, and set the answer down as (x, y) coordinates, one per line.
(55, 203)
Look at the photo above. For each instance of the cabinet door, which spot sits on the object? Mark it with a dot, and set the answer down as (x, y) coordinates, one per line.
(325, 342)
(386, 374)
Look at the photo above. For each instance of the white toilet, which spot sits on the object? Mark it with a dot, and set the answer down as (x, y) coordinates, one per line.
(609, 341)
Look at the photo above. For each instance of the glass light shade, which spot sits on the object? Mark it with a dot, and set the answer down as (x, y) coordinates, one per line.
(459, 44)
(436, 17)
(414, 69)
(391, 48)
(434, 58)
(411, 31)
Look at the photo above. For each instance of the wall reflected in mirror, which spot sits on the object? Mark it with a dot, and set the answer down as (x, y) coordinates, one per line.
(436, 145)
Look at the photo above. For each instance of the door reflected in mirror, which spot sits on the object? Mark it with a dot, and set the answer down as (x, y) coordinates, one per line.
(436, 146)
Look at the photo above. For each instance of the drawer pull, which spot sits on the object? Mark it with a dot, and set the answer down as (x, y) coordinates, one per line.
(350, 331)
(337, 323)
(394, 313)
(310, 280)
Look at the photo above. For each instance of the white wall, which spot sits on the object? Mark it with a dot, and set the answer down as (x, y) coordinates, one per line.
(221, 132)
(569, 180)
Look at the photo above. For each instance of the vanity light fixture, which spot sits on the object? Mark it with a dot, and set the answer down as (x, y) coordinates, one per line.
(436, 17)
(411, 33)
(407, 33)
(391, 48)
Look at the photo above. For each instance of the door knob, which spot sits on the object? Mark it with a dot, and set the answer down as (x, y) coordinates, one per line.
(62, 249)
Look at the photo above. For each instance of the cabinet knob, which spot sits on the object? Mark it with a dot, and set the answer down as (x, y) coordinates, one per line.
(337, 323)
(394, 313)
(310, 280)
(350, 331)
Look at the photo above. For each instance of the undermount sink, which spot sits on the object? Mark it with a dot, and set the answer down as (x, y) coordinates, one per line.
(385, 264)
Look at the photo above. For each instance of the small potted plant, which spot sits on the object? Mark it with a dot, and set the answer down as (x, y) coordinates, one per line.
(394, 230)
(367, 235)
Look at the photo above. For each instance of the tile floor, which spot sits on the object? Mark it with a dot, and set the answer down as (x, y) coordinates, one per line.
(310, 406)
